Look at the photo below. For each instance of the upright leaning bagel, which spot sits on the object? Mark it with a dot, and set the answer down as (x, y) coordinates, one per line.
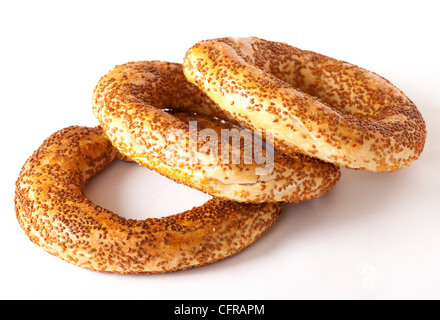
(54, 212)
(133, 103)
(318, 106)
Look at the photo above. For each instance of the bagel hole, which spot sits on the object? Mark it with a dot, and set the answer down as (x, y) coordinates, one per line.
(135, 192)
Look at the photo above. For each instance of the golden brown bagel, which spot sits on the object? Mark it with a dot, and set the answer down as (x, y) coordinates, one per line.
(318, 106)
(54, 212)
(132, 103)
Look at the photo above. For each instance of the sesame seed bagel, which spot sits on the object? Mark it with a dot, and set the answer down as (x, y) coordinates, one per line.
(142, 105)
(318, 106)
(54, 212)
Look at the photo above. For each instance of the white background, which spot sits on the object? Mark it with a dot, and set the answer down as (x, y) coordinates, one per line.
(375, 236)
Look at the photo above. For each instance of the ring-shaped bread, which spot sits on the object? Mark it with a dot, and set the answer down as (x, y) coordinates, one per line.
(132, 104)
(318, 106)
(54, 212)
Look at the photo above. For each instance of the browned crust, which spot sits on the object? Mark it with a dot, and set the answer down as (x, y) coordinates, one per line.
(318, 106)
(131, 103)
(55, 214)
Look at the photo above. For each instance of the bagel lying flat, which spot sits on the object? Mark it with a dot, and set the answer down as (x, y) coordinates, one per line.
(317, 106)
(133, 103)
(55, 214)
